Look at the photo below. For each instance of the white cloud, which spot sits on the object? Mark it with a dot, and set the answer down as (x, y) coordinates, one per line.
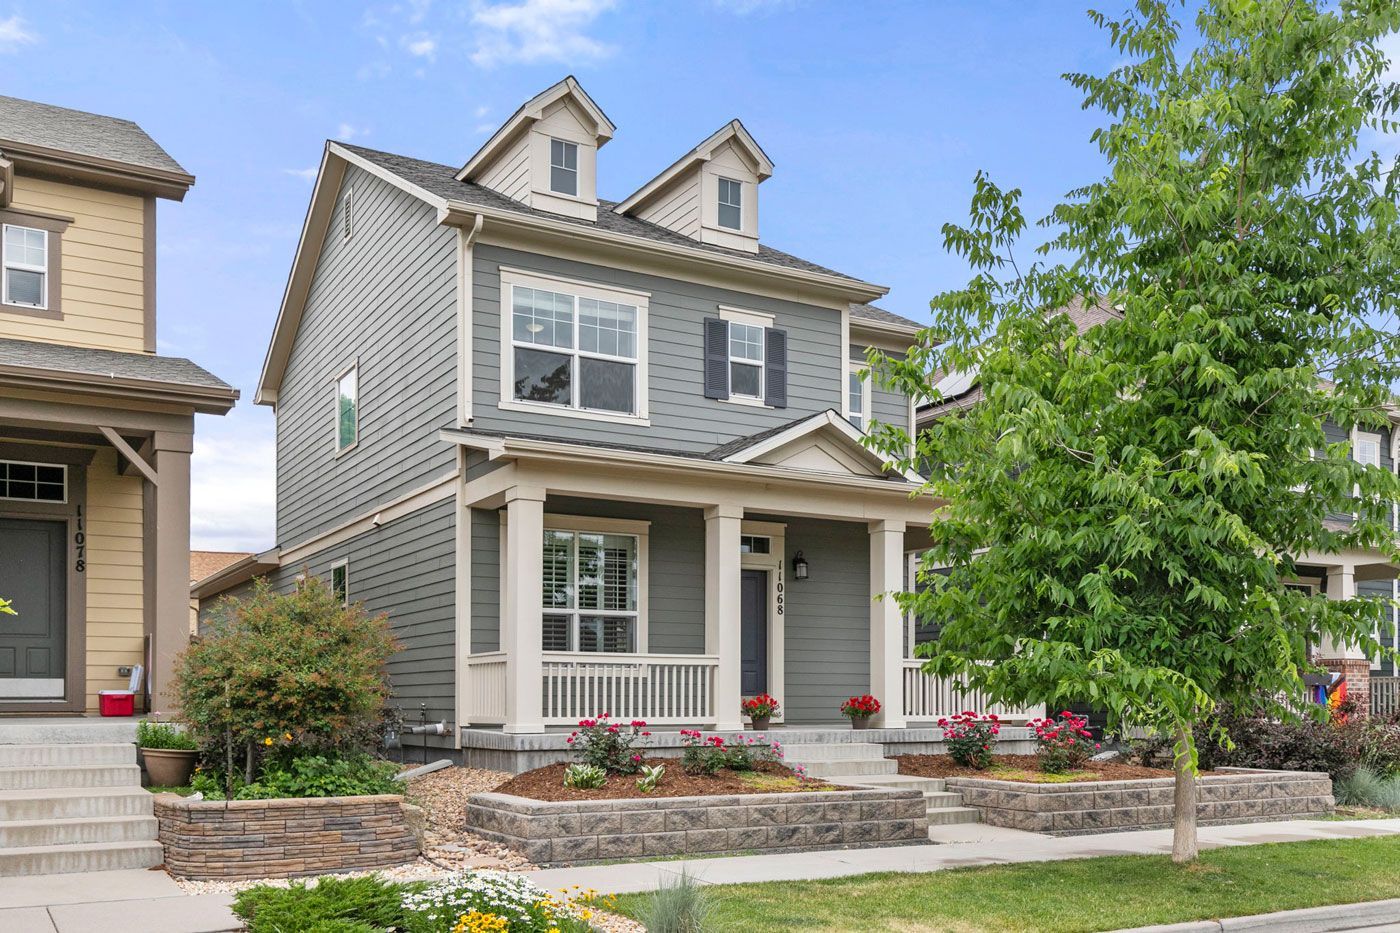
(14, 32)
(530, 31)
(420, 45)
(745, 7)
(348, 131)
(305, 174)
(233, 483)
(481, 111)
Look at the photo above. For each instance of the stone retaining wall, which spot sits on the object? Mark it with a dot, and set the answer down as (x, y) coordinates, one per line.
(1236, 795)
(237, 839)
(554, 833)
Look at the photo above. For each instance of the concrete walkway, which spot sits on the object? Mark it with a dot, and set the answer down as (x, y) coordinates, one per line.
(132, 901)
(966, 845)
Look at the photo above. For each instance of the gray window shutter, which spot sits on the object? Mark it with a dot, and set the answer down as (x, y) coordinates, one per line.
(716, 358)
(775, 368)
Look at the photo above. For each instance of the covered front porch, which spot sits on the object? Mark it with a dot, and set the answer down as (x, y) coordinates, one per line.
(669, 588)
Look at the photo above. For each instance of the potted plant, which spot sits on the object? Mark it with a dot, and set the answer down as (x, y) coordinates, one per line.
(168, 751)
(860, 709)
(761, 709)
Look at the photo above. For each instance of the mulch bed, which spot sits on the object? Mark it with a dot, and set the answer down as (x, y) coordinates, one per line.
(547, 783)
(1024, 768)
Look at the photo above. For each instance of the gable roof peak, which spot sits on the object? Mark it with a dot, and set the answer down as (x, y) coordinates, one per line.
(532, 111)
(702, 152)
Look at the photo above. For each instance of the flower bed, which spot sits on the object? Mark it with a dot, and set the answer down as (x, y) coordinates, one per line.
(547, 783)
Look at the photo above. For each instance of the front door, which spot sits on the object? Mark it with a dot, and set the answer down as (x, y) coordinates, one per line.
(33, 577)
(753, 635)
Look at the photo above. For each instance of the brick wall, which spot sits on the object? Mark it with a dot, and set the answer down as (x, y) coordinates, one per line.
(1358, 674)
(208, 839)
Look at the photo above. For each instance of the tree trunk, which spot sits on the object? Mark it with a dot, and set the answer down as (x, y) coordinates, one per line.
(1185, 845)
(248, 754)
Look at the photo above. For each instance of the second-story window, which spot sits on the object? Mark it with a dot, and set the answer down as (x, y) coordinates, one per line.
(731, 204)
(1366, 449)
(745, 360)
(26, 266)
(575, 351)
(563, 167)
(856, 397)
(347, 409)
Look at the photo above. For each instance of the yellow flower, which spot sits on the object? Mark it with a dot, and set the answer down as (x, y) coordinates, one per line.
(286, 736)
(267, 741)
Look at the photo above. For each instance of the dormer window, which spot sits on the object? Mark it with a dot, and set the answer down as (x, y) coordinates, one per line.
(731, 204)
(563, 167)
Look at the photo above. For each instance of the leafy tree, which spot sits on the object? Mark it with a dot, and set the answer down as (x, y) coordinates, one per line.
(1121, 511)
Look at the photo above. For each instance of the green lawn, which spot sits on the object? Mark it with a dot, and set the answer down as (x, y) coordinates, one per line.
(1081, 895)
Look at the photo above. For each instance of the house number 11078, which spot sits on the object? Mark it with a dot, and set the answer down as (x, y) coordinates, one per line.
(80, 543)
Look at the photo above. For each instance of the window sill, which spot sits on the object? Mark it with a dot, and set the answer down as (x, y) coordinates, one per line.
(31, 310)
(580, 413)
(745, 400)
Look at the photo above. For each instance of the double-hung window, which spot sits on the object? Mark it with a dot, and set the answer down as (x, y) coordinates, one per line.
(576, 348)
(731, 204)
(745, 360)
(858, 397)
(591, 583)
(26, 267)
(563, 167)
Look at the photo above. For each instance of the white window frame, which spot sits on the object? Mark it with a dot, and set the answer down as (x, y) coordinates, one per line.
(553, 165)
(587, 524)
(759, 319)
(736, 185)
(852, 369)
(342, 565)
(510, 279)
(1357, 438)
(35, 463)
(335, 426)
(23, 267)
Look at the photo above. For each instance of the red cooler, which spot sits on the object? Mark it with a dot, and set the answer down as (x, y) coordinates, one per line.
(116, 702)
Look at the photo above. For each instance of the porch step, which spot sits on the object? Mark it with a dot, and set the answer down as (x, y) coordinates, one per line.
(70, 776)
(830, 751)
(80, 857)
(852, 768)
(901, 781)
(945, 816)
(29, 833)
(48, 756)
(61, 803)
(942, 800)
(75, 731)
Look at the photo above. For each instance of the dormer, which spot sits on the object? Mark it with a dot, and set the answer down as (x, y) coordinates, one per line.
(711, 193)
(546, 154)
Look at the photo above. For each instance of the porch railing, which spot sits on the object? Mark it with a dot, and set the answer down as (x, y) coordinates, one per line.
(486, 688)
(928, 697)
(1385, 696)
(660, 688)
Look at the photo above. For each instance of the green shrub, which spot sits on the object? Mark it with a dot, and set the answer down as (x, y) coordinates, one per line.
(297, 664)
(682, 907)
(1366, 788)
(163, 735)
(330, 905)
(651, 778)
(526, 908)
(304, 775)
(585, 777)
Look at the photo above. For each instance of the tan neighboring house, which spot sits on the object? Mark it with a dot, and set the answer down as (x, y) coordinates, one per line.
(96, 429)
(204, 564)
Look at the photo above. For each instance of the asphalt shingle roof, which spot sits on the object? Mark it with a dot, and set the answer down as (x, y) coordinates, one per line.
(881, 316)
(439, 179)
(81, 133)
(110, 363)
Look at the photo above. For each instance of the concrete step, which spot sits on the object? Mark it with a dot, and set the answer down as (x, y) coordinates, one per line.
(70, 776)
(79, 857)
(46, 756)
(58, 804)
(830, 751)
(853, 769)
(68, 732)
(30, 833)
(947, 815)
(941, 800)
(902, 781)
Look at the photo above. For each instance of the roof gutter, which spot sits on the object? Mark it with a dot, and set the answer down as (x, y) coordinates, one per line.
(42, 159)
(240, 571)
(210, 400)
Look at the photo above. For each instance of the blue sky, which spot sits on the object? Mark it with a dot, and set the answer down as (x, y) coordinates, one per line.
(877, 117)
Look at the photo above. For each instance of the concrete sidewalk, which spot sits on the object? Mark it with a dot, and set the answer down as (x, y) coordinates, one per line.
(132, 901)
(992, 846)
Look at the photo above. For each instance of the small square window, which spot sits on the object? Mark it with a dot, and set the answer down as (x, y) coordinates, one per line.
(731, 204)
(563, 167)
(347, 409)
(755, 544)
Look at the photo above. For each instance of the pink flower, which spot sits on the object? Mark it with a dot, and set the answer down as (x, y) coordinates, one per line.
(636, 757)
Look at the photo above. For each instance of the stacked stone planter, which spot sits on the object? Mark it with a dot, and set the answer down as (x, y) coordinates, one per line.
(1237, 795)
(561, 833)
(241, 839)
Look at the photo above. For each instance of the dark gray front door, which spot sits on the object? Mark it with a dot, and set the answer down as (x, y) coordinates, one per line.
(33, 576)
(753, 633)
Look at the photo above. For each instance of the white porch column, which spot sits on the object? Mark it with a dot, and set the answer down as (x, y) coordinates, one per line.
(722, 610)
(1341, 584)
(887, 622)
(522, 608)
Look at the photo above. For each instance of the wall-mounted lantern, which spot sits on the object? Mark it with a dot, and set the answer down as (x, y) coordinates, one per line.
(799, 566)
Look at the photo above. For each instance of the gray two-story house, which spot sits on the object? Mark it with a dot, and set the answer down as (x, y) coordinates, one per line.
(589, 456)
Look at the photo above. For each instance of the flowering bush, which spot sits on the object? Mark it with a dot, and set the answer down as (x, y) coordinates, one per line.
(651, 778)
(970, 738)
(1063, 744)
(861, 707)
(708, 754)
(585, 777)
(498, 902)
(762, 706)
(612, 746)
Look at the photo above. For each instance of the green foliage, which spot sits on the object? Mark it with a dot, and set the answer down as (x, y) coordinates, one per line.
(682, 906)
(342, 905)
(298, 663)
(585, 777)
(1366, 788)
(163, 735)
(1122, 510)
(293, 774)
(613, 746)
(651, 778)
(514, 898)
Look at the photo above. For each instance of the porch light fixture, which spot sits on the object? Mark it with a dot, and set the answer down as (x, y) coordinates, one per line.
(799, 566)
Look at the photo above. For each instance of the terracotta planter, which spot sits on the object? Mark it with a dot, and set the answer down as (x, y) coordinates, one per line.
(169, 767)
(860, 722)
(760, 723)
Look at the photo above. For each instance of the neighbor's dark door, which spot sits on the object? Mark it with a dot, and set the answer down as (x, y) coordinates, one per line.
(33, 565)
(753, 634)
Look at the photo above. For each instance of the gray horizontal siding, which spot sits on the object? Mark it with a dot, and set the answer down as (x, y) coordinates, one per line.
(681, 417)
(1381, 589)
(486, 580)
(886, 406)
(1335, 434)
(386, 296)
